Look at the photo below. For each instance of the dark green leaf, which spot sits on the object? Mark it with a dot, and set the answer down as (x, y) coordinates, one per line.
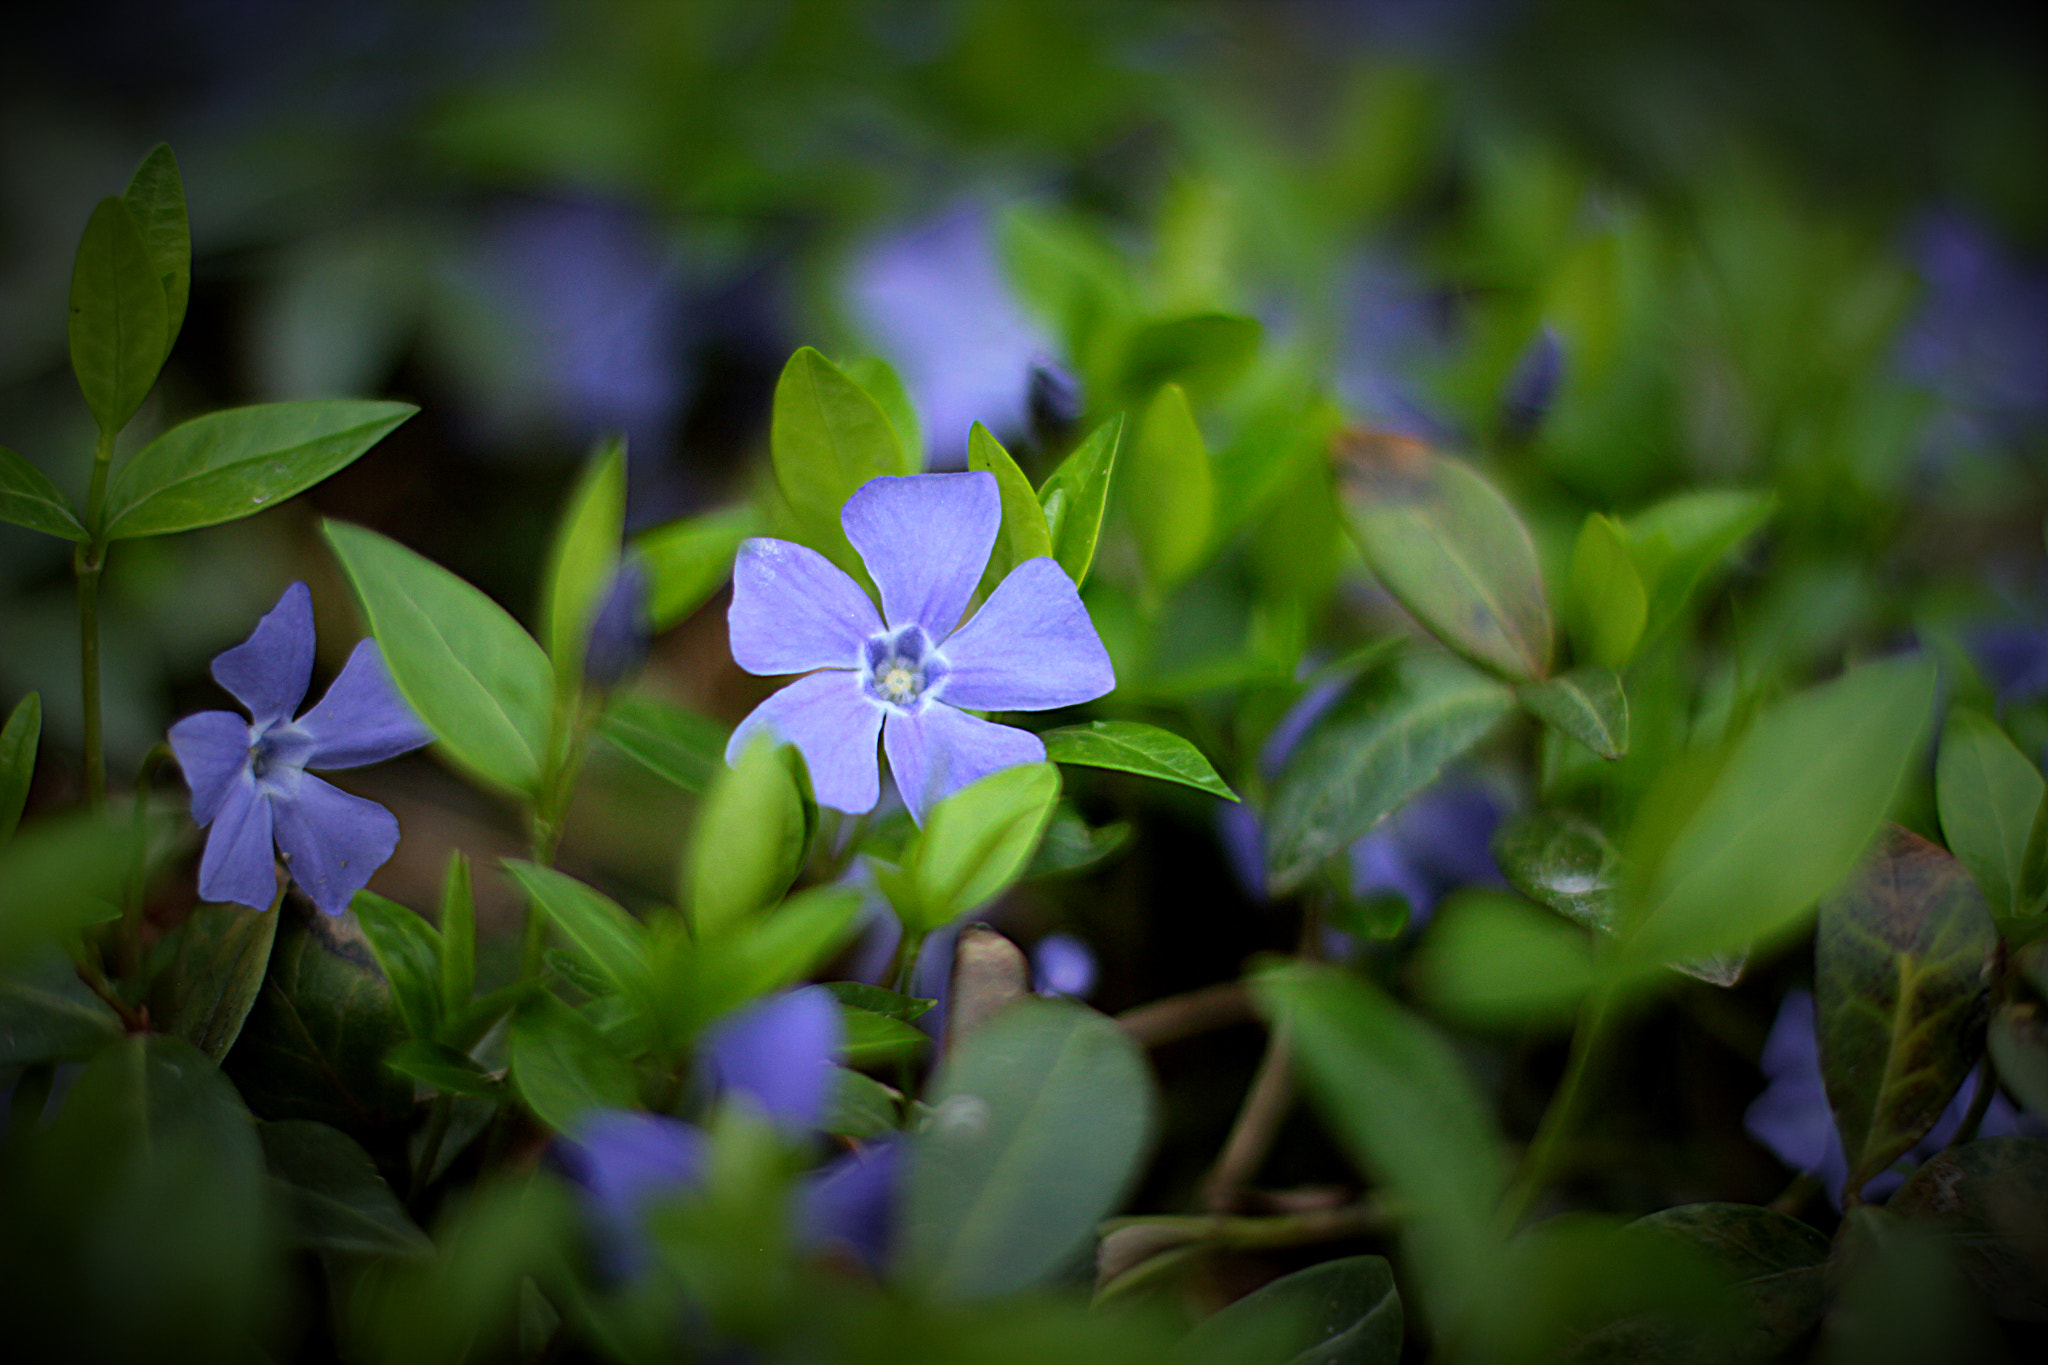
(409, 950)
(596, 926)
(1023, 535)
(861, 1106)
(878, 1000)
(1987, 1202)
(874, 1038)
(1127, 746)
(687, 560)
(1901, 964)
(120, 323)
(582, 559)
(338, 1201)
(1492, 960)
(232, 464)
(48, 1015)
(1172, 490)
(1608, 606)
(19, 740)
(1039, 1121)
(674, 744)
(828, 437)
(1774, 1263)
(1071, 844)
(471, 672)
(215, 971)
(1451, 550)
(445, 1068)
(1989, 794)
(28, 498)
(973, 845)
(1586, 703)
(1205, 351)
(1341, 1312)
(750, 839)
(563, 1067)
(156, 197)
(1074, 495)
(1386, 740)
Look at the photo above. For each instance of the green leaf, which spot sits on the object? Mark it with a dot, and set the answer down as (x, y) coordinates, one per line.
(474, 676)
(1676, 543)
(58, 876)
(973, 845)
(120, 323)
(408, 949)
(1386, 740)
(1074, 496)
(1785, 817)
(1989, 794)
(2018, 1045)
(338, 1201)
(780, 947)
(1451, 550)
(1608, 606)
(827, 438)
(874, 1038)
(1983, 1202)
(687, 560)
(28, 498)
(1341, 1312)
(232, 464)
(1204, 351)
(675, 744)
(1398, 1099)
(596, 926)
(19, 740)
(879, 378)
(879, 1000)
(583, 558)
(49, 1016)
(1126, 746)
(217, 961)
(1023, 535)
(1172, 490)
(1774, 1263)
(1039, 1121)
(458, 937)
(444, 1068)
(1586, 703)
(1489, 960)
(749, 841)
(1071, 844)
(861, 1107)
(156, 198)
(563, 1067)
(1901, 967)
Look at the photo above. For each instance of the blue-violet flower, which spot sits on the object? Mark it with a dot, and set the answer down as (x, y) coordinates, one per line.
(249, 778)
(906, 674)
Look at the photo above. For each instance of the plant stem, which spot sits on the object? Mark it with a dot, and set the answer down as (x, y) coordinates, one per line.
(1183, 1016)
(1265, 1104)
(87, 562)
(1539, 1165)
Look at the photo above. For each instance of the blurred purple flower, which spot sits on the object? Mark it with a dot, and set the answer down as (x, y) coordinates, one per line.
(1979, 338)
(925, 538)
(1062, 965)
(249, 778)
(1396, 328)
(619, 632)
(780, 1054)
(1532, 385)
(2013, 658)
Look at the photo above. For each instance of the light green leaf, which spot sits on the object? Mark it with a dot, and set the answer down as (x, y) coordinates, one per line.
(596, 926)
(1491, 960)
(563, 1067)
(1989, 794)
(1172, 490)
(156, 198)
(409, 951)
(1127, 746)
(28, 498)
(973, 845)
(338, 1201)
(787, 943)
(1608, 606)
(217, 961)
(827, 438)
(1204, 351)
(120, 323)
(474, 676)
(674, 744)
(1023, 535)
(1677, 543)
(1586, 703)
(1074, 496)
(232, 464)
(1040, 1118)
(1451, 550)
(749, 841)
(879, 378)
(687, 560)
(19, 740)
(1341, 1312)
(582, 559)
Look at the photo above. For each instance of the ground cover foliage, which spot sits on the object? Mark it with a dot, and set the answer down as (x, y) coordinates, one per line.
(1024, 682)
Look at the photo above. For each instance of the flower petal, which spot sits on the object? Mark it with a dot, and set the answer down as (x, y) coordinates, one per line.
(940, 750)
(237, 866)
(794, 610)
(781, 1052)
(332, 841)
(833, 724)
(851, 1201)
(629, 1162)
(362, 719)
(1031, 647)
(925, 539)
(213, 748)
(268, 671)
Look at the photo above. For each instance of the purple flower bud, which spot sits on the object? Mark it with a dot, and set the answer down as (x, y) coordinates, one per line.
(619, 632)
(1532, 385)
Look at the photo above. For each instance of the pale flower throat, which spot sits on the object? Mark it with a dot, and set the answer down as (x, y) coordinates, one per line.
(901, 670)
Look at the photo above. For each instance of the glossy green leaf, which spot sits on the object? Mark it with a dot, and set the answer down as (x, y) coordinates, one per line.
(1172, 490)
(582, 559)
(973, 845)
(1677, 543)
(879, 378)
(1398, 1099)
(1074, 496)
(19, 740)
(827, 438)
(1127, 746)
(1797, 800)
(408, 949)
(1386, 740)
(231, 464)
(600, 931)
(120, 323)
(1608, 606)
(1341, 1312)
(1901, 965)
(1451, 550)
(876, 1038)
(749, 841)
(444, 1068)
(677, 745)
(687, 560)
(58, 876)
(1023, 535)
(50, 1016)
(28, 498)
(471, 672)
(336, 1199)
(156, 197)
(1490, 960)
(458, 936)
(1989, 794)
(563, 1067)
(1204, 351)
(1982, 1202)
(217, 961)
(1071, 844)
(1773, 1262)
(1039, 1121)
(1587, 703)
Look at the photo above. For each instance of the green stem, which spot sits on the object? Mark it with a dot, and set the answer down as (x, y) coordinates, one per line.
(1540, 1164)
(87, 562)
(908, 946)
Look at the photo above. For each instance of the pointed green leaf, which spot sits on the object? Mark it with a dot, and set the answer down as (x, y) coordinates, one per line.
(1451, 550)
(1386, 740)
(878, 1000)
(408, 949)
(1074, 496)
(1341, 1312)
(583, 558)
(218, 960)
(676, 745)
(1608, 605)
(1586, 703)
(749, 841)
(120, 323)
(876, 1038)
(1172, 489)
(1677, 543)
(1492, 960)
(458, 937)
(1901, 966)
(827, 438)
(1989, 794)
(595, 925)
(337, 1200)
(1127, 746)
(471, 672)
(156, 197)
(563, 1067)
(444, 1068)
(19, 740)
(973, 845)
(1023, 535)
(232, 464)
(687, 560)
(28, 498)
(1039, 1120)
(879, 378)
(1774, 1263)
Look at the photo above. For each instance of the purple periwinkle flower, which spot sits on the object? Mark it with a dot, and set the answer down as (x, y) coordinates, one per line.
(249, 778)
(906, 674)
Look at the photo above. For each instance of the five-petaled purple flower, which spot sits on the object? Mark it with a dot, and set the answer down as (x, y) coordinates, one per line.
(249, 778)
(906, 673)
